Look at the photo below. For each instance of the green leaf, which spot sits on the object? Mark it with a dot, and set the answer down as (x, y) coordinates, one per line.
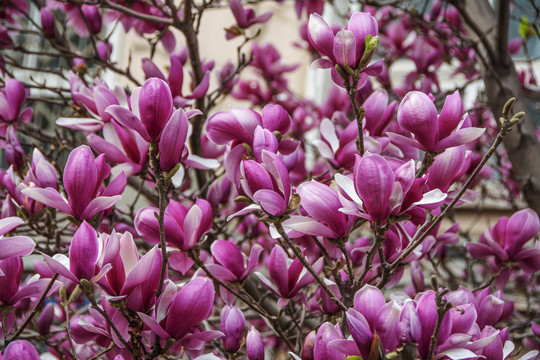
(353, 357)
(524, 27)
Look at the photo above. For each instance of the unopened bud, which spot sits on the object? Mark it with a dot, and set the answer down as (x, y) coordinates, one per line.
(516, 118)
(434, 283)
(508, 107)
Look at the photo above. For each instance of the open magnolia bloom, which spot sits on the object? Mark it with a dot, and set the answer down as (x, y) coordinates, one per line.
(83, 182)
(418, 115)
(377, 191)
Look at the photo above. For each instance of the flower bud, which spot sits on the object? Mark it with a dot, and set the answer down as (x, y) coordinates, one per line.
(47, 23)
(254, 345)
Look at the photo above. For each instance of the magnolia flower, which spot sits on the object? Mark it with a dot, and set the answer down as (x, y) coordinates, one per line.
(417, 114)
(12, 98)
(287, 277)
(254, 345)
(131, 277)
(245, 18)
(95, 100)
(370, 315)
(230, 263)
(183, 227)
(178, 312)
(83, 182)
(232, 324)
(89, 258)
(347, 47)
(504, 243)
(377, 191)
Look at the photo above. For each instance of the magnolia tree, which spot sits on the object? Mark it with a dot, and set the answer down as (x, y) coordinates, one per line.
(143, 223)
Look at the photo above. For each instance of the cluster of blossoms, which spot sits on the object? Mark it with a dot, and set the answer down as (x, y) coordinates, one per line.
(162, 228)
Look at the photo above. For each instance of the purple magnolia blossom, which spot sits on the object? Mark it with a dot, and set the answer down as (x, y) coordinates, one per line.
(20, 349)
(12, 98)
(40, 174)
(95, 328)
(89, 258)
(371, 315)
(11, 271)
(377, 191)
(322, 350)
(47, 22)
(417, 114)
(95, 100)
(121, 146)
(132, 277)
(267, 184)
(245, 18)
(504, 243)
(183, 227)
(151, 105)
(13, 245)
(287, 277)
(178, 312)
(232, 324)
(378, 112)
(254, 345)
(322, 205)
(230, 264)
(345, 48)
(83, 182)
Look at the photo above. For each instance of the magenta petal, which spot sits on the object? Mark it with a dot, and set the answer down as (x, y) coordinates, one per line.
(460, 137)
(116, 186)
(223, 127)
(83, 252)
(153, 325)
(191, 305)
(450, 115)
(521, 227)
(201, 88)
(320, 35)
(151, 70)
(155, 106)
(345, 48)
(147, 267)
(173, 139)
(277, 266)
(309, 226)
(374, 181)
(347, 347)
(112, 153)
(322, 203)
(57, 267)
(255, 177)
(129, 120)
(362, 24)
(49, 197)
(181, 262)
(479, 251)
(276, 118)
(360, 331)
(264, 139)
(417, 113)
(228, 255)
(221, 273)
(374, 107)
(99, 204)
(368, 301)
(20, 349)
(271, 202)
(238, 12)
(9, 223)
(402, 140)
(16, 246)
